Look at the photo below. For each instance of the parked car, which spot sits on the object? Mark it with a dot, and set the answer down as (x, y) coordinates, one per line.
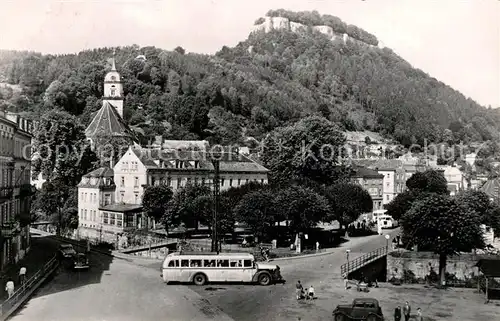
(81, 262)
(361, 309)
(66, 251)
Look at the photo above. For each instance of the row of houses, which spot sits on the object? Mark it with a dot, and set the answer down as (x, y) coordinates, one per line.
(15, 187)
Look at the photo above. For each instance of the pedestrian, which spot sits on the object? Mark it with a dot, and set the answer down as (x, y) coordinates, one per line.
(346, 281)
(407, 311)
(310, 293)
(22, 275)
(298, 289)
(317, 246)
(397, 313)
(419, 315)
(9, 287)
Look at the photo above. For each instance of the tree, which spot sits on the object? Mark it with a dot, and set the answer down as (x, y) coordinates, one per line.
(443, 225)
(430, 181)
(419, 185)
(348, 201)
(258, 210)
(302, 206)
(190, 205)
(310, 148)
(155, 203)
(60, 149)
(480, 202)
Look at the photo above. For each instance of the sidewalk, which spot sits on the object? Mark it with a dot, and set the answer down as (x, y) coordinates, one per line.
(41, 251)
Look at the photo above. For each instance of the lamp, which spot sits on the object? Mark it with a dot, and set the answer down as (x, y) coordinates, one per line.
(387, 237)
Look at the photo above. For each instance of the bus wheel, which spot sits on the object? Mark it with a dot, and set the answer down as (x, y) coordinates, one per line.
(200, 279)
(264, 279)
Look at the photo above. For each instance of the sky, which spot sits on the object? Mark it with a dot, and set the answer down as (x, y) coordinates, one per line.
(455, 41)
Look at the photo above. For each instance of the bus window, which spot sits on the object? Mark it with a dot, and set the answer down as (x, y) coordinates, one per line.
(195, 263)
(184, 263)
(247, 263)
(223, 263)
(235, 263)
(209, 263)
(173, 263)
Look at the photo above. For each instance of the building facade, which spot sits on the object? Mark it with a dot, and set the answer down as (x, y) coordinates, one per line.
(15, 187)
(372, 181)
(107, 210)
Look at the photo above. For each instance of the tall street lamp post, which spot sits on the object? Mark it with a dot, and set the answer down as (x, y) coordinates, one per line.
(347, 257)
(387, 237)
(215, 158)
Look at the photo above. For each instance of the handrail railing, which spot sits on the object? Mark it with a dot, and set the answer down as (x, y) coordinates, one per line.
(363, 260)
(29, 285)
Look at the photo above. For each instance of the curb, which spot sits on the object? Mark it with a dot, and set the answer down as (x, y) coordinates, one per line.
(305, 256)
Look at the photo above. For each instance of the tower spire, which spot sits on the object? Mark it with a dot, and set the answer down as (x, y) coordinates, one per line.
(113, 66)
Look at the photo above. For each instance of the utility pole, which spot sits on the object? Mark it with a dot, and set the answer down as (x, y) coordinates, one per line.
(216, 184)
(59, 214)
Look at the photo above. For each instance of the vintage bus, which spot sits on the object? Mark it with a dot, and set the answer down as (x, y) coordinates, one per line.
(200, 268)
(386, 221)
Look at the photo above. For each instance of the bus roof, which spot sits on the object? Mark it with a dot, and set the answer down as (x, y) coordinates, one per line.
(194, 253)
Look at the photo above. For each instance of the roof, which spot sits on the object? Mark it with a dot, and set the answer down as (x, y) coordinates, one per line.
(196, 160)
(360, 171)
(101, 172)
(121, 208)
(108, 122)
(185, 144)
(491, 187)
(489, 267)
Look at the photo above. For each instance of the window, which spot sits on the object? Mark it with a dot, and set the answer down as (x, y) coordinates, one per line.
(136, 198)
(81, 214)
(230, 182)
(122, 181)
(247, 263)
(235, 263)
(203, 181)
(387, 184)
(388, 175)
(262, 181)
(195, 263)
(239, 181)
(119, 220)
(105, 217)
(85, 215)
(111, 218)
(169, 181)
(179, 181)
(136, 181)
(122, 196)
(184, 263)
(221, 182)
(107, 199)
(209, 263)
(387, 197)
(130, 221)
(246, 180)
(223, 263)
(379, 192)
(188, 182)
(173, 263)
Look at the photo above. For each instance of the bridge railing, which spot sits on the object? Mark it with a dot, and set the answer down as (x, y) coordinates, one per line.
(25, 290)
(363, 260)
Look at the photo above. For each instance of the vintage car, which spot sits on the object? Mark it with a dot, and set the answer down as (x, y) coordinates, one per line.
(361, 309)
(81, 262)
(66, 251)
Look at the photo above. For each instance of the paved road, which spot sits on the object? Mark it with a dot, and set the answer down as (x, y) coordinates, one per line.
(115, 289)
(277, 302)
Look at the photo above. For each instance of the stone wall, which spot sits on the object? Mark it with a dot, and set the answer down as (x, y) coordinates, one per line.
(418, 265)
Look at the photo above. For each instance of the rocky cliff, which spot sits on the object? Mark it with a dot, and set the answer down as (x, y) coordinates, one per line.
(282, 23)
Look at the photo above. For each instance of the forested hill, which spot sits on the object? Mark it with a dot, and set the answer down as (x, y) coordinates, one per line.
(273, 78)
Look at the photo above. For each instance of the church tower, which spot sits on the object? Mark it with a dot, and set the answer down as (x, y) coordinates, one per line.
(113, 89)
